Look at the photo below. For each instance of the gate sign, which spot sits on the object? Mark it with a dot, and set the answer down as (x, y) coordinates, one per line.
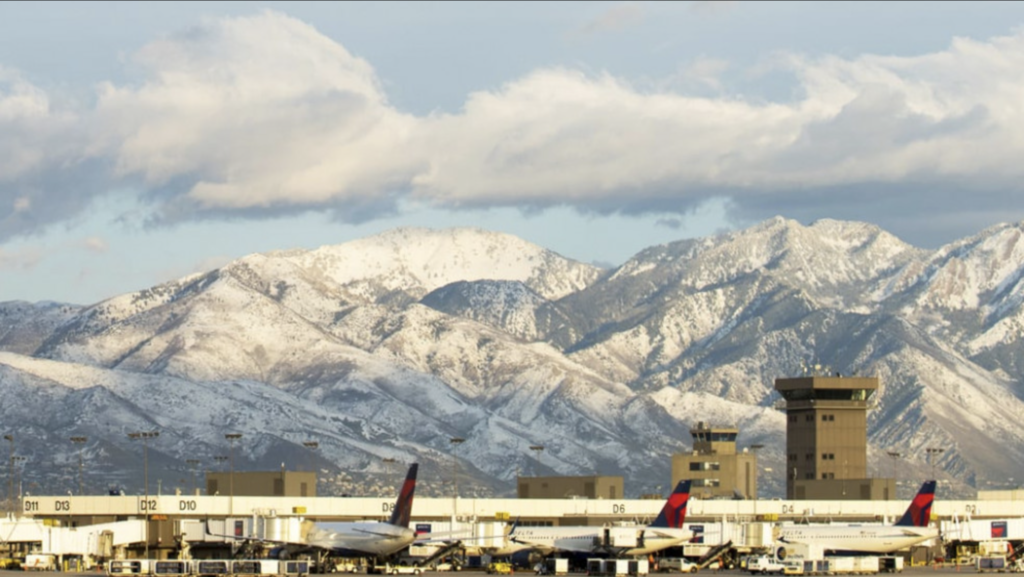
(422, 528)
(698, 533)
(998, 529)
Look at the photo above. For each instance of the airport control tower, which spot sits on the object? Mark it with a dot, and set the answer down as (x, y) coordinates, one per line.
(826, 438)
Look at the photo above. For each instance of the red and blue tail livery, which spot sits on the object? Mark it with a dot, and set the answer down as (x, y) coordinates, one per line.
(403, 506)
(919, 513)
(674, 512)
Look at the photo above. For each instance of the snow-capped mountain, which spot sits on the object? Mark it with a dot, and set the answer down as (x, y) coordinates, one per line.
(391, 346)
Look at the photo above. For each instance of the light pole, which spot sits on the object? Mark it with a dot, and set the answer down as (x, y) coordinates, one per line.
(232, 437)
(930, 451)
(895, 478)
(312, 446)
(455, 441)
(19, 466)
(80, 441)
(193, 464)
(145, 436)
(539, 449)
(757, 469)
(10, 476)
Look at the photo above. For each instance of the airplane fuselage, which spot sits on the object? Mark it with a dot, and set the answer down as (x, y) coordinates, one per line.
(617, 541)
(857, 539)
(376, 539)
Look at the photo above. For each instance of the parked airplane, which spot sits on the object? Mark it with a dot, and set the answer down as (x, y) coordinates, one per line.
(363, 538)
(370, 538)
(910, 530)
(622, 540)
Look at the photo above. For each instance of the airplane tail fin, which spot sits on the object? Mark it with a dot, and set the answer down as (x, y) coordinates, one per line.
(919, 513)
(674, 512)
(403, 506)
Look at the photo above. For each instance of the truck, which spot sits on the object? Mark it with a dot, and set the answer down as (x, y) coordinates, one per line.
(765, 564)
(37, 562)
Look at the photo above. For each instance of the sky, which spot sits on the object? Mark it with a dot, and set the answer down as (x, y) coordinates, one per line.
(141, 142)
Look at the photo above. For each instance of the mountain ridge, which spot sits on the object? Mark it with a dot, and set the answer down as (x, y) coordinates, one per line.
(410, 338)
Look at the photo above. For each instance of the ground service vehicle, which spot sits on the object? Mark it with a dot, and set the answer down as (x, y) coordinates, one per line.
(765, 564)
(499, 568)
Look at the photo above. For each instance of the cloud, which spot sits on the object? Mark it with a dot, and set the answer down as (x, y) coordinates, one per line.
(254, 113)
(263, 115)
(95, 244)
(617, 17)
(24, 259)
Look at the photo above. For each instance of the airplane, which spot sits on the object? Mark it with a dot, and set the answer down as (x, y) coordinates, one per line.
(910, 530)
(625, 540)
(362, 538)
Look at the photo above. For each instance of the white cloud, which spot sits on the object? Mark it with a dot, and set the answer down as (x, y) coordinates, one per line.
(617, 17)
(255, 112)
(95, 244)
(263, 113)
(24, 259)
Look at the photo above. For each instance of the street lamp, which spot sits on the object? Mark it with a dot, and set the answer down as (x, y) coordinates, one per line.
(193, 464)
(80, 441)
(145, 436)
(232, 437)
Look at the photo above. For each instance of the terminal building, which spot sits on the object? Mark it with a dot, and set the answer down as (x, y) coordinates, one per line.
(256, 483)
(587, 487)
(715, 468)
(826, 438)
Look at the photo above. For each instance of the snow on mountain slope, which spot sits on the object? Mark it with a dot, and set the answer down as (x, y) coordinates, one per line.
(421, 260)
(24, 326)
(393, 344)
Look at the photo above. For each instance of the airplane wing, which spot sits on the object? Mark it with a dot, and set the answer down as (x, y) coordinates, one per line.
(665, 535)
(374, 533)
(443, 537)
(252, 538)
